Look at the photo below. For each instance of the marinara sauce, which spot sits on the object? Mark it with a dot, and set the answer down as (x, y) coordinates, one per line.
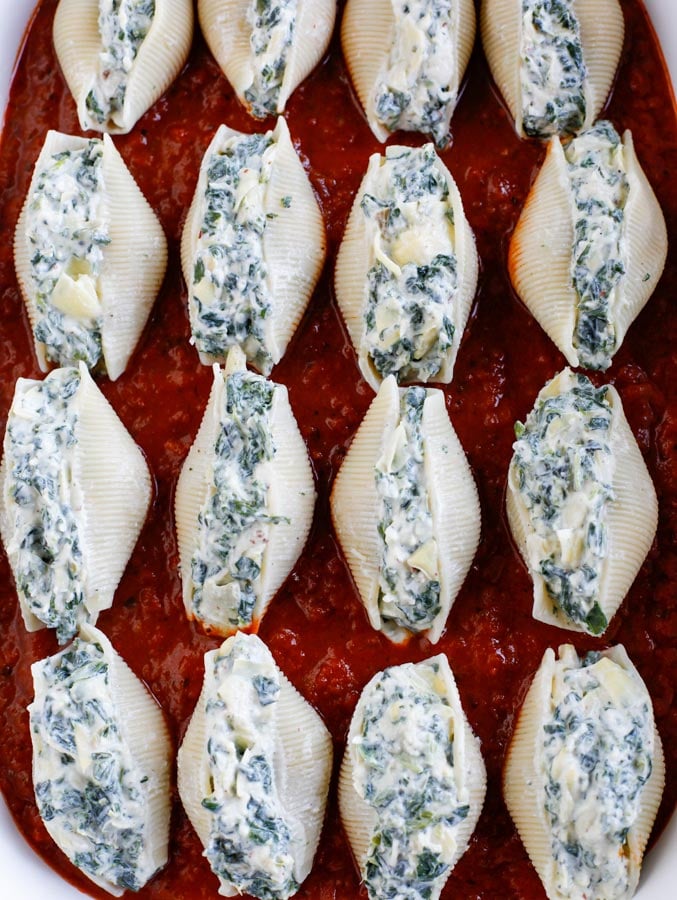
(316, 626)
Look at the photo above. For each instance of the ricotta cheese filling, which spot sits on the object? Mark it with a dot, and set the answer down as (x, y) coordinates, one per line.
(596, 756)
(405, 771)
(90, 791)
(563, 468)
(273, 23)
(231, 300)
(412, 285)
(123, 26)
(44, 503)
(552, 69)
(250, 841)
(416, 92)
(67, 232)
(599, 193)
(409, 586)
(234, 522)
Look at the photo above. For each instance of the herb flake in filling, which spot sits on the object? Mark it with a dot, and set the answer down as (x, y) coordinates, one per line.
(87, 784)
(404, 770)
(40, 497)
(599, 193)
(552, 69)
(410, 291)
(230, 295)
(563, 468)
(233, 523)
(67, 232)
(409, 586)
(123, 26)
(415, 92)
(250, 840)
(273, 23)
(596, 756)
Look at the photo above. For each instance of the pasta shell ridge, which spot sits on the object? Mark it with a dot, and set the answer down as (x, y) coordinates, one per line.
(192, 769)
(314, 27)
(602, 30)
(224, 25)
(501, 34)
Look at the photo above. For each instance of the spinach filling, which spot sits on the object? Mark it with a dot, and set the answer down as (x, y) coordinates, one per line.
(599, 191)
(273, 23)
(123, 26)
(603, 746)
(233, 522)
(552, 71)
(49, 567)
(562, 467)
(419, 96)
(408, 313)
(250, 840)
(405, 773)
(230, 296)
(409, 586)
(67, 234)
(87, 783)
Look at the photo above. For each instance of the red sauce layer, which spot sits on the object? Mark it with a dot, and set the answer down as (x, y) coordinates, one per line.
(316, 626)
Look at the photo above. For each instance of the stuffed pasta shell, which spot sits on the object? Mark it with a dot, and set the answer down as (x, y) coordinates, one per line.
(406, 271)
(119, 56)
(412, 782)
(407, 61)
(244, 501)
(406, 512)
(252, 248)
(580, 501)
(590, 245)
(266, 50)
(554, 63)
(584, 774)
(253, 773)
(101, 763)
(90, 255)
(75, 491)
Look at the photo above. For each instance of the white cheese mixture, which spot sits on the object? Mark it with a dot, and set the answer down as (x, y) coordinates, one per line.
(272, 31)
(90, 792)
(405, 770)
(595, 759)
(44, 504)
(411, 287)
(416, 90)
(67, 231)
(599, 193)
(231, 301)
(123, 26)
(563, 468)
(234, 523)
(552, 69)
(250, 842)
(409, 569)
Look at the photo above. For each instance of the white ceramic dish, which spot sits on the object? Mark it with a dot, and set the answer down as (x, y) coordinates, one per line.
(24, 875)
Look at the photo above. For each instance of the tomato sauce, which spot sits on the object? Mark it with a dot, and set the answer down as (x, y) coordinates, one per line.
(316, 626)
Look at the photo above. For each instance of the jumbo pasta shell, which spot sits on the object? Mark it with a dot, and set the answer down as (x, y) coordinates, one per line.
(542, 245)
(356, 256)
(453, 503)
(302, 766)
(111, 484)
(523, 788)
(134, 261)
(360, 819)
(160, 58)
(291, 493)
(631, 518)
(227, 32)
(294, 242)
(602, 30)
(367, 33)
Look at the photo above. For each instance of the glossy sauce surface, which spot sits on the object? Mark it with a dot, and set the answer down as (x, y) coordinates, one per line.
(316, 626)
